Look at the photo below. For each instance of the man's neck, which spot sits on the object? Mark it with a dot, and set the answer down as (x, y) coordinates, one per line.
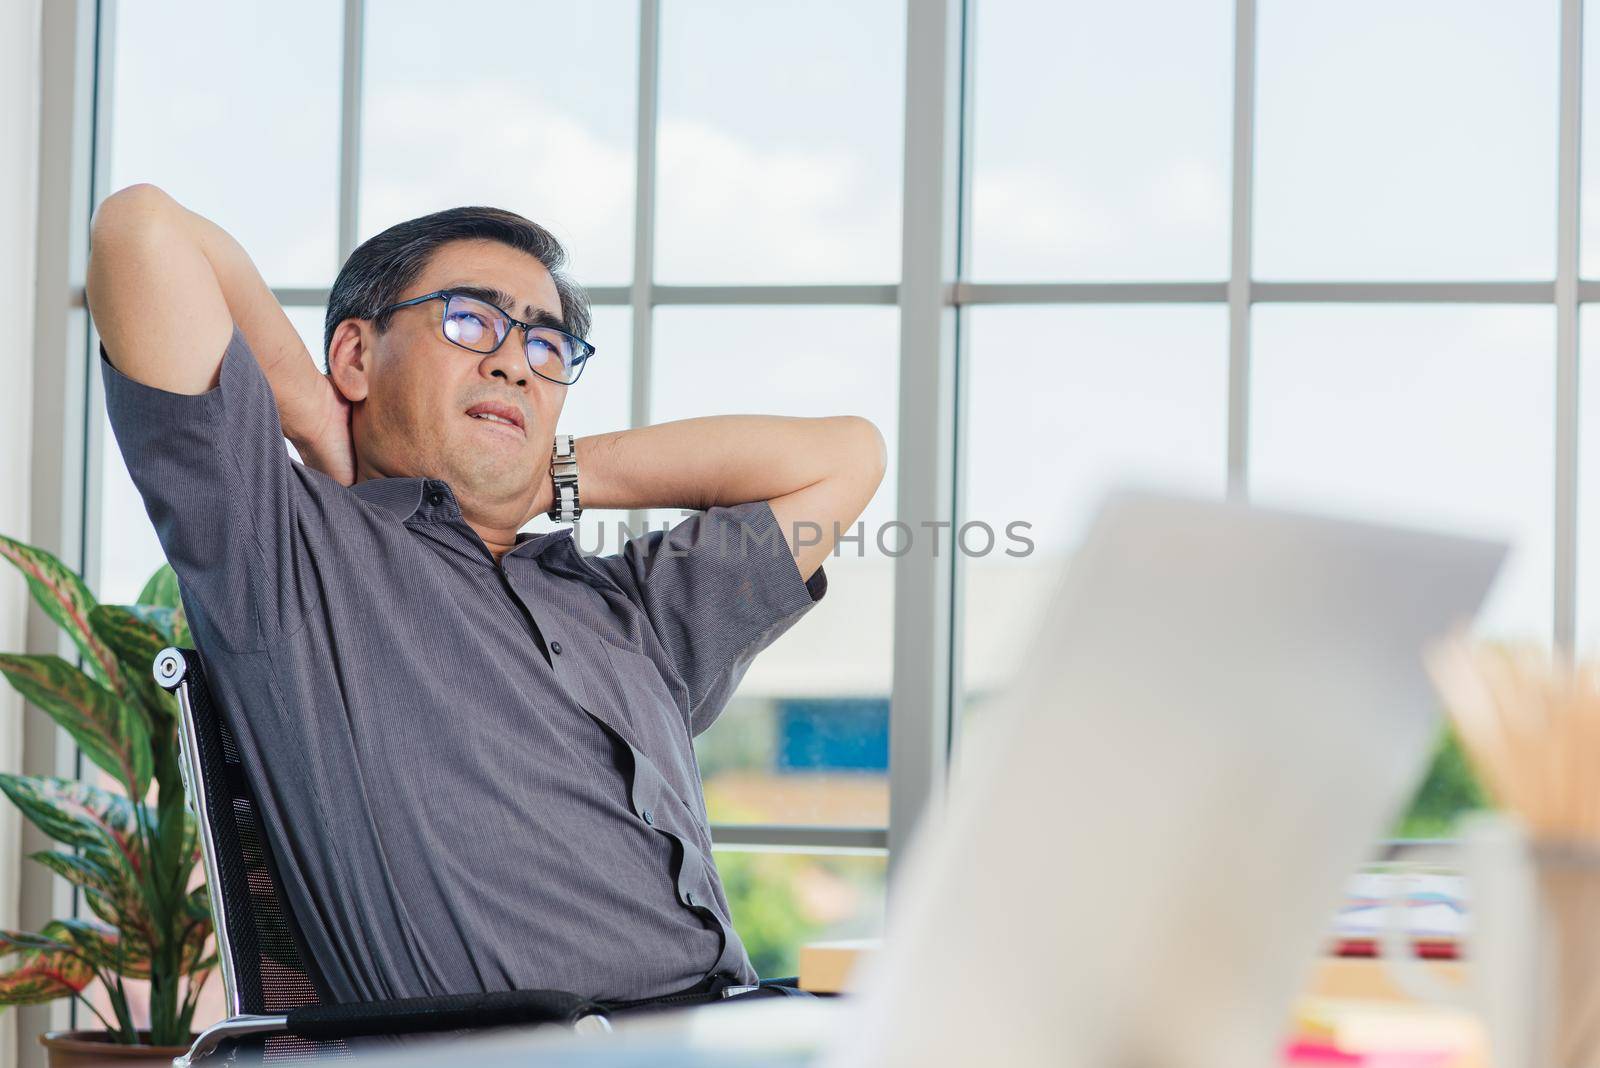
(498, 537)
(497, 540)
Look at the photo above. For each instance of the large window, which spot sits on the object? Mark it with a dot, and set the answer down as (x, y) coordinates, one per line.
(1316, 255)
(1323, 255)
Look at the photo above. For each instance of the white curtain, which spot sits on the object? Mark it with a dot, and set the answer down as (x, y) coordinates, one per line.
(19, 170)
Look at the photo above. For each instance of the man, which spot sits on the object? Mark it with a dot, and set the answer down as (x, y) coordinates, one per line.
(472, 747)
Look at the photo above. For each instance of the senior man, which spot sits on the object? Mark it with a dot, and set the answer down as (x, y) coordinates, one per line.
(473, 747)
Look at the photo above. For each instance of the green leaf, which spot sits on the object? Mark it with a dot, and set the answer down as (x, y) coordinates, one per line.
(112, 732)
(162, 592)
(194, 943)
(198, 904)
(162, 589)
(85, 817)
(136, 643)
(67, 600)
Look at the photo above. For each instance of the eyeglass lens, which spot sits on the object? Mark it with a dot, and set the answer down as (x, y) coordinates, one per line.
(474, 325)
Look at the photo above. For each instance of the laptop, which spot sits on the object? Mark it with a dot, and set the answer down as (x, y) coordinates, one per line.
(1146, 834)
(1221, 713)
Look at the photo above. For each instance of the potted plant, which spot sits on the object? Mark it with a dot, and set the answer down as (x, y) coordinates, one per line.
(132, 857)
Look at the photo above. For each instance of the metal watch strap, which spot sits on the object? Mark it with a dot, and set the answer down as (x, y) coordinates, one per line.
(564, 477)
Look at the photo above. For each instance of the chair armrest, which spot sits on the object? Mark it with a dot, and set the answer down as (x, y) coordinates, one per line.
(449, 1012)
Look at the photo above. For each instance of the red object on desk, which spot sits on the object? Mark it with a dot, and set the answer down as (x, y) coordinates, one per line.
(1426, 948)
(1307, 1054)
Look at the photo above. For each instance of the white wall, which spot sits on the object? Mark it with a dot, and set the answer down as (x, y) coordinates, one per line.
(19, 169)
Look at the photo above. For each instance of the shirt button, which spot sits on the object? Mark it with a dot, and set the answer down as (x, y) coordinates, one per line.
(688, 897)
(555, 647)
(435, 497)
(649, 817)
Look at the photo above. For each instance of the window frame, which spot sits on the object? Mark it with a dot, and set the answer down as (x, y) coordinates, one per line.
(932, 295)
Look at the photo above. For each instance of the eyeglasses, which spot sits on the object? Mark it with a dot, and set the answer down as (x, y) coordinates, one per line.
(480, 326)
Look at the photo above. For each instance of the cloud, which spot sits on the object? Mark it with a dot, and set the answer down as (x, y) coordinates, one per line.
(423, 152)
(1166, 220)
(727, 211)
(731, 212)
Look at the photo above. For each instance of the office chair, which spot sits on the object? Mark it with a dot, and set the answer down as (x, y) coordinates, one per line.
(274, 1010)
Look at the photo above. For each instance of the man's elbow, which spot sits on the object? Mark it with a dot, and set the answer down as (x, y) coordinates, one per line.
(123, 231)
(867, 455)
(125, 226)
(130, 206)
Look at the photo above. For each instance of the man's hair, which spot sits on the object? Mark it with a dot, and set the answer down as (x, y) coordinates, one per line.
(389, 263)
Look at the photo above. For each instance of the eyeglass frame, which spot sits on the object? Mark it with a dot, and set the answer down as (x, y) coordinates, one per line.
(585, 350)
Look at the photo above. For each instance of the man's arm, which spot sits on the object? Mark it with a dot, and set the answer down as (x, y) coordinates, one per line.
(166, 287)
(820, 471)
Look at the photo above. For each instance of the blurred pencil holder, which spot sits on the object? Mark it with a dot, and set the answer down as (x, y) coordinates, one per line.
(1564, 993)
(1530, 723)
(1532, 946)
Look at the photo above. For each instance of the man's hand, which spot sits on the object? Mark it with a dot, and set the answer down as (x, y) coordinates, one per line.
(817, 473)
(326, 444)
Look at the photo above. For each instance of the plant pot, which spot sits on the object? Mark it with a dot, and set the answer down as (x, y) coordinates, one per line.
(94, 1049)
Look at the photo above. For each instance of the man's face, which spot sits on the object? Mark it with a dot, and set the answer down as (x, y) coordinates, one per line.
(419, 388)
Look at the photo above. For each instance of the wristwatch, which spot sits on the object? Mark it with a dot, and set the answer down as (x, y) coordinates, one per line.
(564, 476)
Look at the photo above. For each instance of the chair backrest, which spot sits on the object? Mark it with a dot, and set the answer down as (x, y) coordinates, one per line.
(264, 970)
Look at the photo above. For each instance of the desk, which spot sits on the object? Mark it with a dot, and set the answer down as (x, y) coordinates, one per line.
(825, 968)
(1350, 1003)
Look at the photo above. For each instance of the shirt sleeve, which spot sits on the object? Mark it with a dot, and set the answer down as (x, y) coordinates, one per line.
(718, 588)
(223, 494)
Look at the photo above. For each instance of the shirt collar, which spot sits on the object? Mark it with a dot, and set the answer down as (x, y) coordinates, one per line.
(402, 496)
(433, 500)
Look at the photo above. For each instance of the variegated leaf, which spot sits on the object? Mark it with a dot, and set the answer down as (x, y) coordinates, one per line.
(103, 947)
(67, 600)
(101, 823)
(136, 643)
(112, 732)
(27, 941)
(158, 617)
(111, 896)
(45, 974)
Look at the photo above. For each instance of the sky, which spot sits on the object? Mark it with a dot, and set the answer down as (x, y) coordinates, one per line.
(1411, 140)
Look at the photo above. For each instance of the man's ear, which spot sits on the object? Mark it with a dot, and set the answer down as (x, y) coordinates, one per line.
(350, 359)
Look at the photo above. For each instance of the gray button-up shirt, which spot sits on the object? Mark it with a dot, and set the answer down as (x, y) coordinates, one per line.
(473, 776)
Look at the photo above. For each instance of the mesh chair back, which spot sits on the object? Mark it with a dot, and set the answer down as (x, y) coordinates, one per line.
(266, 971)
